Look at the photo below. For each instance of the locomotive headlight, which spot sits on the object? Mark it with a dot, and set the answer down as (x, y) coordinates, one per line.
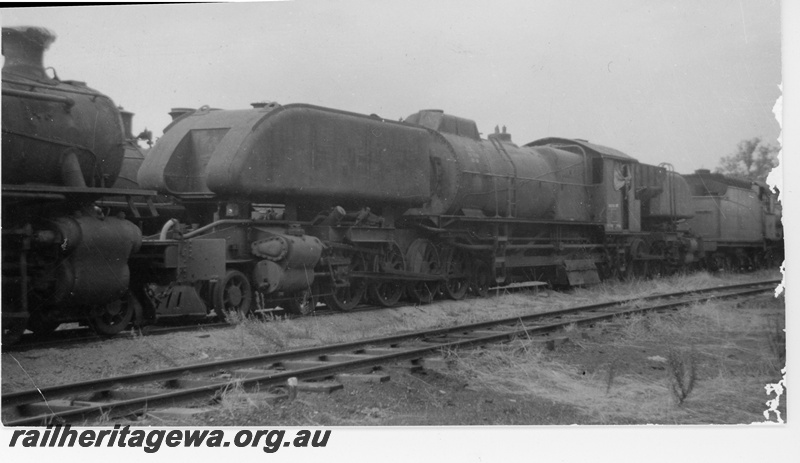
(231, 210)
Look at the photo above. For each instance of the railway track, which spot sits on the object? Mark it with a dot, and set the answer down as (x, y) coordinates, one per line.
(132, 394)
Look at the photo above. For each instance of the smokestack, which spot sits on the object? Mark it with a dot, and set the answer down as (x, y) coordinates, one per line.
(23, 48)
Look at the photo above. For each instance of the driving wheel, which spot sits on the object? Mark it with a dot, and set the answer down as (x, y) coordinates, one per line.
(457, 283)
(233, 295)
(114, 317)
(347, 297)
(387, 292)
(423, 257)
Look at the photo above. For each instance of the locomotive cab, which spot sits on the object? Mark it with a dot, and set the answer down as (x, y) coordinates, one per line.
(610, 176)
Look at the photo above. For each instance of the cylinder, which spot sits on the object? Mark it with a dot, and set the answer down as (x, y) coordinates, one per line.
(290, 251)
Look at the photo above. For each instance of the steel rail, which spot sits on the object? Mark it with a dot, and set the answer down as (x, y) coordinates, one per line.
(127, 406)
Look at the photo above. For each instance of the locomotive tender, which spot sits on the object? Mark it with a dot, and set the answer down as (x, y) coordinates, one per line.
(284, 205)
(738, 220)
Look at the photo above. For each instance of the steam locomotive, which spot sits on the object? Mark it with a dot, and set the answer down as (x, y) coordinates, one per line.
(63, 147)
(289, 205)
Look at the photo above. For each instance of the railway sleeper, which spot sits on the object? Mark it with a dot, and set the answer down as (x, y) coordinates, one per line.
(323, 386)
(174, 413)
(45, 408)
(117, 394)
(374, 377)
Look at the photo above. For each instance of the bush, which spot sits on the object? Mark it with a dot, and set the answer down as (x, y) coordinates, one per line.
(683, 374)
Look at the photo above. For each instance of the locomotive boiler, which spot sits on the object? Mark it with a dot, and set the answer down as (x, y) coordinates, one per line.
(63, 260)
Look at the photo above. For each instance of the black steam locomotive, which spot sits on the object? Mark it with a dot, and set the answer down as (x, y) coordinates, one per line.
(64, 259)
(287, 205)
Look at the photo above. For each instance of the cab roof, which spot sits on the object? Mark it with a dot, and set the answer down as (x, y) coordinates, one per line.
(602, 151)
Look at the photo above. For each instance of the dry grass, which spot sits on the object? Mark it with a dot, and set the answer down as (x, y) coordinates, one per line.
(526, 370)
(278, 334)
(255, 336)
(708, 363)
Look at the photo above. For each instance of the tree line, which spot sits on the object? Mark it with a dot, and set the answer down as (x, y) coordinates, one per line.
(753, 160)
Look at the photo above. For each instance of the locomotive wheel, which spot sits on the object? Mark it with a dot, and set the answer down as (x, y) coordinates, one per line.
(481, 280)
(636, 267)
(233, 295)
(722, 262)
(303, 303)
(346, 298)
(423, 258)
(388, 293)
(457, 283)
(113, 317)
(611, 268)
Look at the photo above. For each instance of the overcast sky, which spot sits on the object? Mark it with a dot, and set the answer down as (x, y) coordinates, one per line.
(675, 81)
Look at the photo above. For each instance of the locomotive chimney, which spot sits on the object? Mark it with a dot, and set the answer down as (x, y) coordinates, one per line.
(23, 48)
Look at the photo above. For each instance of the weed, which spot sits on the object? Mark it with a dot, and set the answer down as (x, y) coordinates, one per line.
(611, 374)
(233, 399)
(776, 336)
(683, 374)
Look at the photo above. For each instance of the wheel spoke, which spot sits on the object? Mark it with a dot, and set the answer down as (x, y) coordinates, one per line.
(114, 317)
(233, 295)
(423, 257)
(457, 283)
(386, 292)
(346, 298)
(481, 279)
